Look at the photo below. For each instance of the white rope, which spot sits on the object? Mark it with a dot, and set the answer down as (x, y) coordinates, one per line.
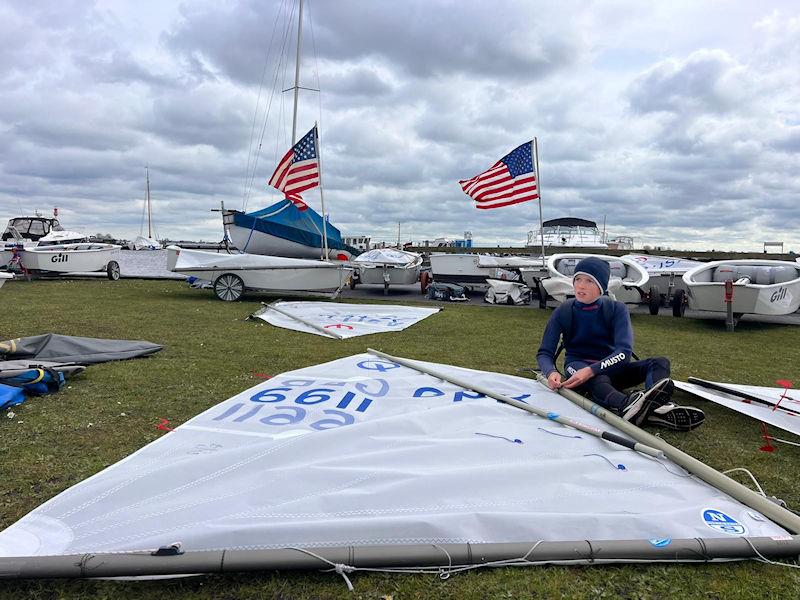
(774, 439)
(760, 490)
(763, 559)
(442, 572)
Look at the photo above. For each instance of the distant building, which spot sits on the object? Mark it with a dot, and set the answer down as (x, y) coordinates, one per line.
(362, 242)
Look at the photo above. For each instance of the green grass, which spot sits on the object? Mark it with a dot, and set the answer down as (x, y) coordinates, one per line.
(211, 352)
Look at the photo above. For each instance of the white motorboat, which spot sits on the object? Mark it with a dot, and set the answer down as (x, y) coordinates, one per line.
(233, 274)
(472, 270)
(5, 277)
(666, 278)
(81, 257)
(762, 287)
(626, 281)
(387, 266)
(567, 232)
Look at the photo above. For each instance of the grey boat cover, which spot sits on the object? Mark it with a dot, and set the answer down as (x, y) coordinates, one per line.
(72, 349)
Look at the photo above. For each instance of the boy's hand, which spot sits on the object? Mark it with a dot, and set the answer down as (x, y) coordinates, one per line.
(554, 380)
(578, 378)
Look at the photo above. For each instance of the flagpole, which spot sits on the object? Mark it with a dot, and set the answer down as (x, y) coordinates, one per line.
(539, 186)
(321, 196)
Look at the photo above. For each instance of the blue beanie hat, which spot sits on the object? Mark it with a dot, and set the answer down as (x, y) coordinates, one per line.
(595, 268)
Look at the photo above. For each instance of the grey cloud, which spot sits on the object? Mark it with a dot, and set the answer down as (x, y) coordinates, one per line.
(704, 82)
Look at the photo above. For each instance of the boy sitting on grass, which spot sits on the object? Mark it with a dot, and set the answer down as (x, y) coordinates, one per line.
(598, 339)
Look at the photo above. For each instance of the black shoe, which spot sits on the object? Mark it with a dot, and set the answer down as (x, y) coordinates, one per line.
(658, 395)
(633, 406)
(677, 418)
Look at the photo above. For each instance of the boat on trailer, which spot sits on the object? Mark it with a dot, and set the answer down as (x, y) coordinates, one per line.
(761, 287)
(60, 259)
(472, 270)
(386, 266)
(233, 274)
(626, 281)
(666, 278)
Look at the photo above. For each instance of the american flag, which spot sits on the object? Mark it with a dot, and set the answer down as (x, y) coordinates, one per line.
(511, 180)
(298, 170)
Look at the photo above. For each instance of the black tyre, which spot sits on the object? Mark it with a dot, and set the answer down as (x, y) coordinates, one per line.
(353, 281)
(228, 287)
(112, 270)
(542, 293)
(678, 303)
(654, 302)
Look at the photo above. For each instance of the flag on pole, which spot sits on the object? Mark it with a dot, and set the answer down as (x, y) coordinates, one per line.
(298, 170)
(511, 180)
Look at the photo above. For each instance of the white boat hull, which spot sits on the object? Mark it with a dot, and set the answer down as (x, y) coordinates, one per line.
(258, 242)
(627, 277)
(388, 266)
(5, 277)
(378, 275)
(264, 273)
(473, 270)
(772, 287)
(69, 258)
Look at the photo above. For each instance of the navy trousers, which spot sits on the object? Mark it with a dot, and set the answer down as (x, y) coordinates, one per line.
(605, 389)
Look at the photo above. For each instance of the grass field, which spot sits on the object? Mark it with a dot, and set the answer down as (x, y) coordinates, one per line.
(211, 352)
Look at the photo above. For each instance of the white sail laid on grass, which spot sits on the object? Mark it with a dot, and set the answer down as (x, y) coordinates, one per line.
(362, 451)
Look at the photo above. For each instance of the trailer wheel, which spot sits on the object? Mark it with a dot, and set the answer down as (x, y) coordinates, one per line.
(112, 270)
(228, 287)
(352, 281)
(654, 302)
(678, 303)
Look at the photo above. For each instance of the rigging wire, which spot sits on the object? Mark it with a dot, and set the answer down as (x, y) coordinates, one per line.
(283, 53)
(251, 151)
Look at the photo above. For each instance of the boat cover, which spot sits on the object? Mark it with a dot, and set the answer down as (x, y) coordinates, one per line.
(362, 451)
(284, 220)
(200, 260)
(507, 292)
(346, 320)
(388, 256)
(662, 265)
(72, 349)
(786, 416)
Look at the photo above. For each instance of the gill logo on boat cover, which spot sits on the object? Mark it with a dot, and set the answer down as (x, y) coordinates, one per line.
(779, 295)
(613, 360)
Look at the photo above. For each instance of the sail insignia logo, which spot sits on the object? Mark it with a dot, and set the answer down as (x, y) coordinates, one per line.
(718, 520)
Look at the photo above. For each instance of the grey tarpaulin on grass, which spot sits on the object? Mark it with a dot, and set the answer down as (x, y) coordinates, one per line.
(73, 349)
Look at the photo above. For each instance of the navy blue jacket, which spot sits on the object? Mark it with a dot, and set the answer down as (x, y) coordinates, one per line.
(592, 340)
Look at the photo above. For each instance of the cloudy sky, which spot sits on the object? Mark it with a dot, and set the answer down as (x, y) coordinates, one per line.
(678, 123)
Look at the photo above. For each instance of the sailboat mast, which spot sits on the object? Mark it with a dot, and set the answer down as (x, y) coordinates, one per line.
(297, 73)
(149, 208)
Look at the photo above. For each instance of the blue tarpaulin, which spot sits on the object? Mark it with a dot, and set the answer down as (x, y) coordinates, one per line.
(284, 220)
